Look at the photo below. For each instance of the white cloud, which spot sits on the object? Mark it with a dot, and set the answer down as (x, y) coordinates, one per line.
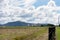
(14, 12)
(21, 3)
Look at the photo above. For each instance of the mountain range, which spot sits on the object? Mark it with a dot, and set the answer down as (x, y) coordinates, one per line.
(17, 23)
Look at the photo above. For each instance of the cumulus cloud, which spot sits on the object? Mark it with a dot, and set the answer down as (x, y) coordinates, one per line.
(24, 10)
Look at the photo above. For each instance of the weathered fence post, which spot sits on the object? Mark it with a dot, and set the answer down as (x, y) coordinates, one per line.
(52, 33)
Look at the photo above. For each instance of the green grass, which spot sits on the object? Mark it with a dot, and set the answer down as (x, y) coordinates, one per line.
(18, 27)
(58, 33)
(32, 36)
(22, 33)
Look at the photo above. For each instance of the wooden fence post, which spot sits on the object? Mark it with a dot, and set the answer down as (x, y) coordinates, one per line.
(52, 33)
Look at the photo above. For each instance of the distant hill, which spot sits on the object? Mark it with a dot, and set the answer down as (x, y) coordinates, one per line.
(17, 23)
(0, 25)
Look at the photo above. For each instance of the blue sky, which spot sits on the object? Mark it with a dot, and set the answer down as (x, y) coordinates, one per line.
(44, 2)
(57, 2)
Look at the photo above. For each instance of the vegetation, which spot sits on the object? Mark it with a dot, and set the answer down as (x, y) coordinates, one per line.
(24, 33)
(58, 33)
(31, 36)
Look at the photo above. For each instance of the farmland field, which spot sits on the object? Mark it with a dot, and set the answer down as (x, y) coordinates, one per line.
(58, 33)
(24, 33)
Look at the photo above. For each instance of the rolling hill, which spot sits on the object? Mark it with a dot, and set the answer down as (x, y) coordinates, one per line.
(17, 23)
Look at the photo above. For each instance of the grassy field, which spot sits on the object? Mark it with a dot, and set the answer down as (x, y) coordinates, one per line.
(58, 33)
(24, 33)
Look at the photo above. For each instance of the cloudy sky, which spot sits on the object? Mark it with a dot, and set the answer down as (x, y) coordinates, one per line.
(30, 11)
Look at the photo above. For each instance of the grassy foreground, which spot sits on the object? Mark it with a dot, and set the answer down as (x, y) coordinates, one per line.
(24, 33)
(58, 33)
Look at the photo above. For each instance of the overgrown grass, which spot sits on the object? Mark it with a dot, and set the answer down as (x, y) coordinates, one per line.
(57, 33)
(21, 33)
(18, 27)
(32, 36)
